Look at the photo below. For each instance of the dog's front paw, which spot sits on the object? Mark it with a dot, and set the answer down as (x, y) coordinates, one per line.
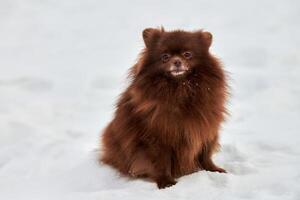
(164, 182)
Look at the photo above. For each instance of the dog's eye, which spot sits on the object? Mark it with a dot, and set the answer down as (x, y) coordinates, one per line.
(187, 55)
(165, 57)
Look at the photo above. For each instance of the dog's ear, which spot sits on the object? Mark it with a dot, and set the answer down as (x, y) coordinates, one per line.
(208, 38)
(151, 36)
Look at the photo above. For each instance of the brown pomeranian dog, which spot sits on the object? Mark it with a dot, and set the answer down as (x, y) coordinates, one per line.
(167, 121)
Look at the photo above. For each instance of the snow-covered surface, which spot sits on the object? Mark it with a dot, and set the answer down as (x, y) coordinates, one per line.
(63, 64)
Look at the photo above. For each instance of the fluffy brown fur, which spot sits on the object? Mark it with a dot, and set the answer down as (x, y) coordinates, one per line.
(167, 121)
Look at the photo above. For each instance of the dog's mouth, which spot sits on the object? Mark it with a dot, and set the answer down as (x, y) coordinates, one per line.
(178, 72)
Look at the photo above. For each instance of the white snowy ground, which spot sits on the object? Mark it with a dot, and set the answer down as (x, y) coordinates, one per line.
(63, 64)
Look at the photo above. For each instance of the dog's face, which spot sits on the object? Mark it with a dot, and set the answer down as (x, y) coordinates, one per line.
(175, 54)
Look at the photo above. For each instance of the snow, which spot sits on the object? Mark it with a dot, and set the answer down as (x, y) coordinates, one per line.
(63, 64)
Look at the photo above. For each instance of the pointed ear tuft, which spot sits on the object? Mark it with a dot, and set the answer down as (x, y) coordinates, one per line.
(151, 35)
(208, 38)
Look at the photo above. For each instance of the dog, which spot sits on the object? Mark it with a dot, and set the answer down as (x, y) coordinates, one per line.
(166, 124)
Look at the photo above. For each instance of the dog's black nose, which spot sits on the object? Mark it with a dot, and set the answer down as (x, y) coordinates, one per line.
(177, 63)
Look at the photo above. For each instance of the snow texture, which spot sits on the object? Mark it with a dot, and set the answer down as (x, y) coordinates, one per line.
(63, 64)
